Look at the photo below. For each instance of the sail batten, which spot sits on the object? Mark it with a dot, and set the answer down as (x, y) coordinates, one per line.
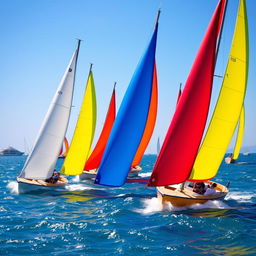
(43, 157)
(82, 139)
(228, 106)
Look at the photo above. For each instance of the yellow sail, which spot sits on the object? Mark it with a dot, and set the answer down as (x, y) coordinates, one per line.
(228, 106)
(240, 134)
(82, 139)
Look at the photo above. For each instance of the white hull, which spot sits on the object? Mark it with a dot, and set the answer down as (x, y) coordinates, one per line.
(88, 175)
(25, 185)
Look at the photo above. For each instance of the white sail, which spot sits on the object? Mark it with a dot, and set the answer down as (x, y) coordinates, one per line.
(43, 157)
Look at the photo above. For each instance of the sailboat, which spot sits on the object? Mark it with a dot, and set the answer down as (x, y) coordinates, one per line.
(180, 162)
(149, 128)
(93, 162)
(158, 146)
(41, 162)
(231, 159)
(64, 154)
(130, 122)
(84, 132)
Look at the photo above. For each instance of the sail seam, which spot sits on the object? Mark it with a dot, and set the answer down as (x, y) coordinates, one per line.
(61, 105)
(224, 120)
(232, 89)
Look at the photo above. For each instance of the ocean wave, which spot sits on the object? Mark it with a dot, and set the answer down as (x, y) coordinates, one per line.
(241, 197)
(79, 187)
(145, 174)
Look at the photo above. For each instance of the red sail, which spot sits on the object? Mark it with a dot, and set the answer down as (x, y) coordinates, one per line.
(222, 14)
(95, 158)
(182, 141)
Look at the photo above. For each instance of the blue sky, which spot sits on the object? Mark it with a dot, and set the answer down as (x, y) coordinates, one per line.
(38, 39)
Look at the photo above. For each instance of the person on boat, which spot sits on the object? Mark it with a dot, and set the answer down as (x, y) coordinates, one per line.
(211, 190)
(199, 188)
(55, 176)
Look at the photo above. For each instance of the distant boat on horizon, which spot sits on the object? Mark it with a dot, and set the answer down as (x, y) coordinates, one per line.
(10, 151)
(231, 158)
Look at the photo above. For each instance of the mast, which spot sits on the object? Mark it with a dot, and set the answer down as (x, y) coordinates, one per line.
(221, 29)
(157, 17)
(179, 94)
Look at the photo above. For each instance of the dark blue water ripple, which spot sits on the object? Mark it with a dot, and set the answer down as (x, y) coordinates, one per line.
(84, 219)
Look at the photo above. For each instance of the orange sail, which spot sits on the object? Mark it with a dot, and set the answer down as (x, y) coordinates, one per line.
(61, 155)
(94, 160)
(66, 146)
(149, 128)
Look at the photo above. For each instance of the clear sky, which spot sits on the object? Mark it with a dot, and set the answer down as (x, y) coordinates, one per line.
(38, 39)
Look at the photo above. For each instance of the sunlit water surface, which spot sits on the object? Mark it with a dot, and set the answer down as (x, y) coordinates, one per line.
(84, 219)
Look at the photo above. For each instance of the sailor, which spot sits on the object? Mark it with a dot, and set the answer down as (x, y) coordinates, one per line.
(211, 190)
(199, 188)
(55, 176)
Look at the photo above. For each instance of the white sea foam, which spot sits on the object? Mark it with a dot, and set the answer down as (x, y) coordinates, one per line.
(154, 205)
(78, 187)
(13, 187)
(241, 197)
(145, 174)
(213, 204)
(151, 206)
(76, 178)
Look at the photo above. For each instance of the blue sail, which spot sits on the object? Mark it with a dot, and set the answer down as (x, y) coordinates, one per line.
(130, 122)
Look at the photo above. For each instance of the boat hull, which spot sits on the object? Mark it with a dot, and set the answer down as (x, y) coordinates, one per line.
(134, 171)
(187, 197)
(88, 175)
(229, 160)
(27, 185)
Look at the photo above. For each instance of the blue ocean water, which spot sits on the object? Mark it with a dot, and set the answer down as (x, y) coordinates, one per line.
(83, 219)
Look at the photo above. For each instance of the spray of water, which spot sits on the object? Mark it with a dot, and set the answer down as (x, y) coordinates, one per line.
(76, 178)
(241, 197)
(13, 187)
(154, 205)
(78, 187)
